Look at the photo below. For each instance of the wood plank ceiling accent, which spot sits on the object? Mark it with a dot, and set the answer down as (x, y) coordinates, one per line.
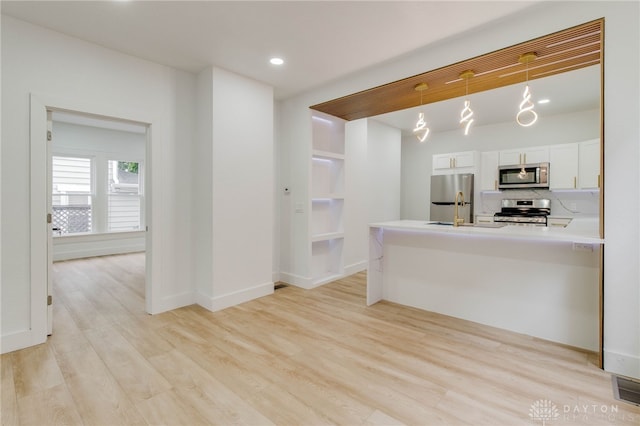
(563, 51)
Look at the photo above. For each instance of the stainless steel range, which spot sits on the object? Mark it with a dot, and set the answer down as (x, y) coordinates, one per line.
(524, 212)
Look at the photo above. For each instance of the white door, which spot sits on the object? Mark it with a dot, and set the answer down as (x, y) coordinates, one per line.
(50, 230)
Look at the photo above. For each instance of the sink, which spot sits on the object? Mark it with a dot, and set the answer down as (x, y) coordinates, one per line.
(435, 222)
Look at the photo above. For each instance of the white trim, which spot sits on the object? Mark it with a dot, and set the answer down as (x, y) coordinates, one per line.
(38, 225)
(39, 104)
(21, 339)
(296, 280)
(622, 364)
(354, 268)
(175, 301)
(89, 245)
(218, 303)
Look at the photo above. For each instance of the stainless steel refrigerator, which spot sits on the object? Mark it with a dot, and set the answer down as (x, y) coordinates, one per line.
(443, 195)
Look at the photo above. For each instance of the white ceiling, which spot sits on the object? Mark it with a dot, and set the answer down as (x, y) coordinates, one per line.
(320, 41)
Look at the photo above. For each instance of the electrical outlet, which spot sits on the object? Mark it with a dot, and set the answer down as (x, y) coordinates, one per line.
(582, 247)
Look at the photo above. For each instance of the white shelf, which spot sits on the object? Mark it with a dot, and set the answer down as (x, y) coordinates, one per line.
(326, 259)
(327, 236)
(328, 155)
(327, 197)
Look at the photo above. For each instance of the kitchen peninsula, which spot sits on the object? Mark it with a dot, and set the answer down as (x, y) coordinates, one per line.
(539, 281)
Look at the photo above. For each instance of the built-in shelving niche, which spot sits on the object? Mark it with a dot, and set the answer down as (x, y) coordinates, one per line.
(327, 198)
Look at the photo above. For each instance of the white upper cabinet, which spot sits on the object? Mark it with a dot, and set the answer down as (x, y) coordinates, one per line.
(563, 166)
(455, 162)
(489, 170)
(589, 164)
(536, 154)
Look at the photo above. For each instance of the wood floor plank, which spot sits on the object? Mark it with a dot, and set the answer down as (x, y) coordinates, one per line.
(212, 399)
(8, 399)
(129, 368)
(100, 401)
(51, 406)
(168, 408)
(311, 357)
(35, 369)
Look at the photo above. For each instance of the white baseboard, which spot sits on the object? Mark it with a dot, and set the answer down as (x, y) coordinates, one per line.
(275, 277)
(622, 364)
(354, 268)
(92, 245)
(80, 254)
(218, 303)
(169, 303)
(20, 340)
(296, 280)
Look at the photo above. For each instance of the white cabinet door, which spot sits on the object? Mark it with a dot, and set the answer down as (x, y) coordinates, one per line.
(442, 162)
(510, 157)
(589, 164)
(455, 162)
(536, 154)
(563, 166)
(489, 171)
(463, 159)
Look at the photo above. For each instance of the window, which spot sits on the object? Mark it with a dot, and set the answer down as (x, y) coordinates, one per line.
(72, 195)
(123, 197)
(96, 195)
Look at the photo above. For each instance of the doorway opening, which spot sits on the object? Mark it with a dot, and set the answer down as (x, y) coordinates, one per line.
(96, 199)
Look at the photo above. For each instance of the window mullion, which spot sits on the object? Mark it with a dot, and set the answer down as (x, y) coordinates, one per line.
(100, 194)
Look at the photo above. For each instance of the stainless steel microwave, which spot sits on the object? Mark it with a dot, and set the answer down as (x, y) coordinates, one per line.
(523, 176)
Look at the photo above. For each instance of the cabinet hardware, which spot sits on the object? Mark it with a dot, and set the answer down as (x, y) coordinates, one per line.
(598, 181)
(575, 182)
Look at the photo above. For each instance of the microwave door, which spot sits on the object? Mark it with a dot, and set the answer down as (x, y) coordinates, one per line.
(525, 175)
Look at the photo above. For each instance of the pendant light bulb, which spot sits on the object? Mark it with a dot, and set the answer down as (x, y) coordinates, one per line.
(526, 109)
(526, 115)
(466, 115)
(421, 130)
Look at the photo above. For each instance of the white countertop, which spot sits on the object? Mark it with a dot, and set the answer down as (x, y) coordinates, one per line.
(580, 230)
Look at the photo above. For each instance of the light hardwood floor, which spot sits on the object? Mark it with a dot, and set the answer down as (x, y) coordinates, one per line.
(298, 357)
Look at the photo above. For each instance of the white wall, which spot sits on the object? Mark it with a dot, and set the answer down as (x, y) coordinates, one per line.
(622, 252)
(238, 201)
(549, 130)
(372, 175)
(54, 66)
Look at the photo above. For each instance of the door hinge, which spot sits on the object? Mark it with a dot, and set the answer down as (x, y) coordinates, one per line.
(49, 135)
(49, 219)
(49, 300)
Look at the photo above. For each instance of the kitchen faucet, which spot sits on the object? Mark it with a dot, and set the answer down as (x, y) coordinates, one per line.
(458, 220)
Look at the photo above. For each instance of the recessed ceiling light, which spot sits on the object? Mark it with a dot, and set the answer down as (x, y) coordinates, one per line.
(276, 61)
(544, 101)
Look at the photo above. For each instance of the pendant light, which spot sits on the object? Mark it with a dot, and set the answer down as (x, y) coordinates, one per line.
(466, 115)
(421, 130)
(526, 115)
